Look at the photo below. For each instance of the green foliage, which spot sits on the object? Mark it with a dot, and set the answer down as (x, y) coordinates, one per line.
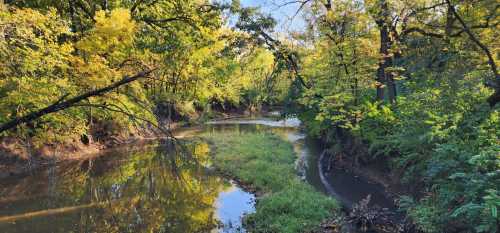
(36, 69)
(49, 51)
(436, 126)
(266, 163)
(439, 130)
(448, 143)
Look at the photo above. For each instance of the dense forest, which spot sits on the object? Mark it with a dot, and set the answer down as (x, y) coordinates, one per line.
(99, 69)
(412, 86)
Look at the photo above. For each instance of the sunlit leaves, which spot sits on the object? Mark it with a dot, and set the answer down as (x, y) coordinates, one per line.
(439, 131)
(111, 37)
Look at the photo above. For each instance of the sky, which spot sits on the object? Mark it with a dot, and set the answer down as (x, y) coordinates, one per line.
(283, 14)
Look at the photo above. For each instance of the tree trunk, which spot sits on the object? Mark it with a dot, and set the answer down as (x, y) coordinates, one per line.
(385, 79)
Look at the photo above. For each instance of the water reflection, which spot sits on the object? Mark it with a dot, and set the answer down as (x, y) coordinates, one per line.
(230, 204)
(287, 122)
(348, 188)
(160, 188)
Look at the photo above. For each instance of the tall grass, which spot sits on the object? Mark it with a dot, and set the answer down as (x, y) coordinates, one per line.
(266, 163)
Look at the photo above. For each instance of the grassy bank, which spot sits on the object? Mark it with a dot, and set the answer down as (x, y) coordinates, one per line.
(265, 162)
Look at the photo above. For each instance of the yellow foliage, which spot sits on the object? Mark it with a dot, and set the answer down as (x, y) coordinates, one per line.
(112, 36)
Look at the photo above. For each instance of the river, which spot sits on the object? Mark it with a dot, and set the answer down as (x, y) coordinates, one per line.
(161, 187)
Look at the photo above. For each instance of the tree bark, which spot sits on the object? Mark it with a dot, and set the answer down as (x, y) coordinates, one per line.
(385, 79)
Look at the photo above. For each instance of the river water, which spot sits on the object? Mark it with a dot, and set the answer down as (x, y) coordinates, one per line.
(160, 187)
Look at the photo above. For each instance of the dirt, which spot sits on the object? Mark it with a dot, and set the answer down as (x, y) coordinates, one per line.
(17, 157)
(374, 171)
(377, 173)
(352, 155)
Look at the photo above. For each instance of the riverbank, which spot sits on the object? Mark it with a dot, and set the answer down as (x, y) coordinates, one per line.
(19, 157)
(265, 163)
(350, 154)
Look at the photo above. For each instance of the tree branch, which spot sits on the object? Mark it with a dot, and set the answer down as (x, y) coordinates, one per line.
(421, 31)
(116, 108)
(61, 105)
(495, 98)
(290, 60)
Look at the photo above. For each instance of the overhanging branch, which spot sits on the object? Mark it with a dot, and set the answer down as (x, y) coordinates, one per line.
(62, 104)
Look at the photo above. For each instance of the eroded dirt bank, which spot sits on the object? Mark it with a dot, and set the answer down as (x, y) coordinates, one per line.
(348, 155)
(19, 157)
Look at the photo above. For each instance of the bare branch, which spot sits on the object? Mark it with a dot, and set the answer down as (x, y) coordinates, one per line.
(118, 109)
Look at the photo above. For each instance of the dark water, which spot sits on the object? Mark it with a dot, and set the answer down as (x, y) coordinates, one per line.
(159, 187)
(346, 187)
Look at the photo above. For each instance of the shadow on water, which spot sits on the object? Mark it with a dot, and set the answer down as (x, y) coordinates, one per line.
(158, 188)
(345, 186)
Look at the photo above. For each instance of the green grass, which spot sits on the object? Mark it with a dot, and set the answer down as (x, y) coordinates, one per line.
(266, 163)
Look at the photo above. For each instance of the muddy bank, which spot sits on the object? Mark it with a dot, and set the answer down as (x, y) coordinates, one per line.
(375, 173)
(19, 157)
(349, 156)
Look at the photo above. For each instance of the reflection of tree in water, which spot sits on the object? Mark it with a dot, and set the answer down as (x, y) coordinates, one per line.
(161, 189)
